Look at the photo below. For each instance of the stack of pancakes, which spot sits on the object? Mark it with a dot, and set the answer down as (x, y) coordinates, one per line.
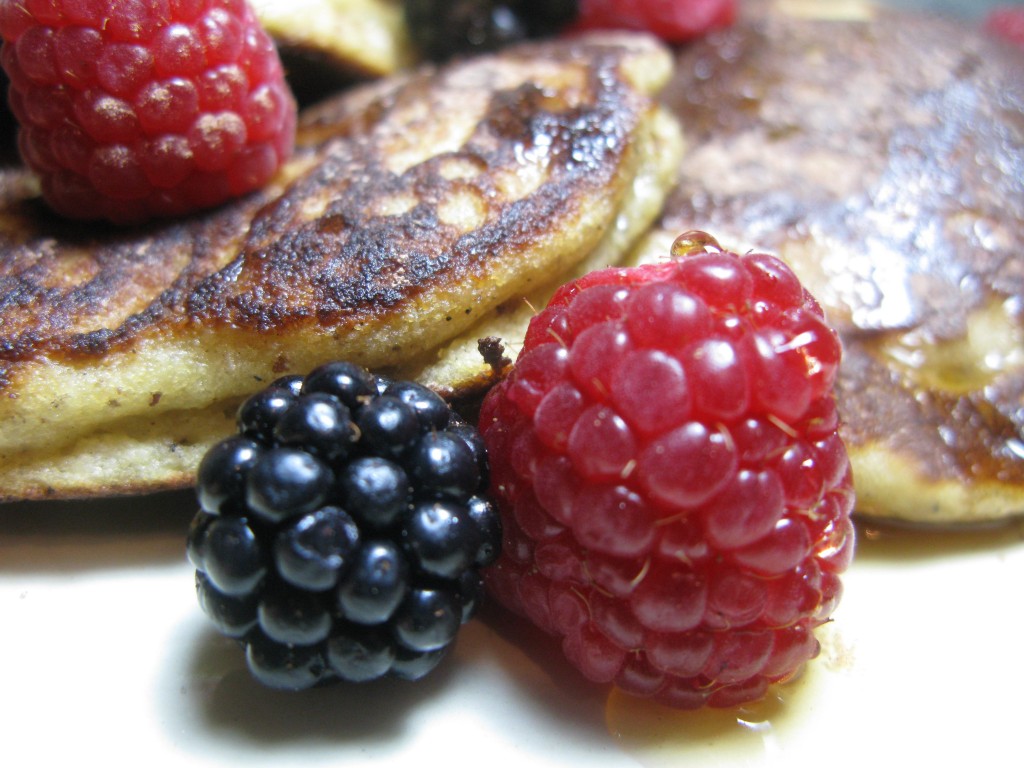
(427, 212)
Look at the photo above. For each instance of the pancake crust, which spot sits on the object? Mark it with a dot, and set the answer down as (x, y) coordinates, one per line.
(414, 210)
(882, 155)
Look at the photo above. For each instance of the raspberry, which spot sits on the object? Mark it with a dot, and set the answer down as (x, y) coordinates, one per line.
(341, 532)
(136, 110)
(674, 494)
(671, 20)
(1007, 23)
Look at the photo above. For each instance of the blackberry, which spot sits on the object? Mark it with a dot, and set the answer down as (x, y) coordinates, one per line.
(342, 531)
(442, 29)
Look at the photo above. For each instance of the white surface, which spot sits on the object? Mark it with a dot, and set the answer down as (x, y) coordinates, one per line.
(106, 655)
(106, 659)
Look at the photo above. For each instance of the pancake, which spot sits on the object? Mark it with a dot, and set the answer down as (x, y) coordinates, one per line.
(344, 38)
(881, 154)
(420, 213)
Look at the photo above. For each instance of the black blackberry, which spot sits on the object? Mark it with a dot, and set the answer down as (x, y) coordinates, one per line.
(342, 531)
(442, 29)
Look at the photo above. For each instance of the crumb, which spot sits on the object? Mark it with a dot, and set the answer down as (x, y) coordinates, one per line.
(493, 352)
(282, 363)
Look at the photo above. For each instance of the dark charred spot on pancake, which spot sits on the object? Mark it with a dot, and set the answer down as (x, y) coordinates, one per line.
(575, 135)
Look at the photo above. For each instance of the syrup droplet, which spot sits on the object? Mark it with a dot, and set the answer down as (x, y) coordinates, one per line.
(693, 242)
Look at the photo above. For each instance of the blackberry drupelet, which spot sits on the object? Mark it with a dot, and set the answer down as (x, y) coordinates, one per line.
(442, 29)
(341, 532)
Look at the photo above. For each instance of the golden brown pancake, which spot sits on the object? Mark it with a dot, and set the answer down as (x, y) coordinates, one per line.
(420, 213)
(882, 155)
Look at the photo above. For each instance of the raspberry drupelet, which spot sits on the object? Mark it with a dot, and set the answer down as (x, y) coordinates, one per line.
(673, 490)
(1006, 22)
(148, 108)
(672, 20)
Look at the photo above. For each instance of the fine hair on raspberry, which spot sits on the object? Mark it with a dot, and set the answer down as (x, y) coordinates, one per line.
(673, 488)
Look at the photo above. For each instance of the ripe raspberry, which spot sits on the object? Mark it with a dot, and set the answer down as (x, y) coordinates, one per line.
(133, 110)
(341, 533)
(675, 497)
(1007, 23)
(671, 20)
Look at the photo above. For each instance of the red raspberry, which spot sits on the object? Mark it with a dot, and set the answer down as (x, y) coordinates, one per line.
(132, 109)
(671, 20)
(675, 497)
(1007, 23)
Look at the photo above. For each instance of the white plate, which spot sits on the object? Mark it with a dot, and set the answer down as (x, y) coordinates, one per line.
(106, 654)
